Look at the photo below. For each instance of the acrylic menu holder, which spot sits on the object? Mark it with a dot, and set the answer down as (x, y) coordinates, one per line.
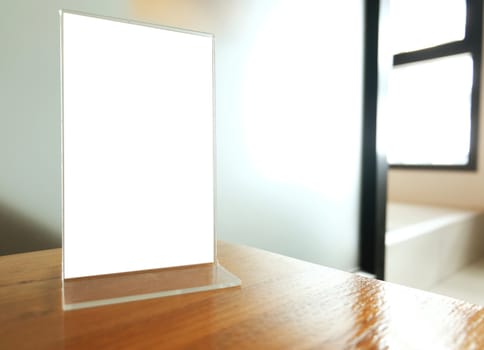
(137, 162)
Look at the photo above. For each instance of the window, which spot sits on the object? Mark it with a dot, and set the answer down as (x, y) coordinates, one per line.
(434, 85)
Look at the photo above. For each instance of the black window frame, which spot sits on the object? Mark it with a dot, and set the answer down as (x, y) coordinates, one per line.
(472, 43)
(373, 200)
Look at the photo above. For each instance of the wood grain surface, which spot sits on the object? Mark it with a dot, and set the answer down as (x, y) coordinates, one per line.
(283, 303)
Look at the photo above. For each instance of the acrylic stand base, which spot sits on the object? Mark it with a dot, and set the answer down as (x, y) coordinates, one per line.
(94, 291)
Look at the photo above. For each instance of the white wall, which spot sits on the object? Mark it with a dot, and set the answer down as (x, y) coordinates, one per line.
(289, 86)
(30, 119)
(289, 90)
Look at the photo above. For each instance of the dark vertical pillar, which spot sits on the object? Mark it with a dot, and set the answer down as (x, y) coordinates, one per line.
(374, 172)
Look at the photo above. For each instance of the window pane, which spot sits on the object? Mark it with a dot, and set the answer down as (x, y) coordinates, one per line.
(418, 24)
(430, 104)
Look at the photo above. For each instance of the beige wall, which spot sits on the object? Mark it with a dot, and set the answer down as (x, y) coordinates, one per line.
(445, 188)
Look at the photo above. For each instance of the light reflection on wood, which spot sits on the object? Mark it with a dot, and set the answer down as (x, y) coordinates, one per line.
(284, 303)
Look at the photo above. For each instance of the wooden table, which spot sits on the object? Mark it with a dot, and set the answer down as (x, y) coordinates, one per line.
(283, 304)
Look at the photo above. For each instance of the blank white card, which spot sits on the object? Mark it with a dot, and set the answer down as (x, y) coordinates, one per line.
(138, 163)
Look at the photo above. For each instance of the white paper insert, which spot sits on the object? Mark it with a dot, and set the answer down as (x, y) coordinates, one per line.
(138, 164)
